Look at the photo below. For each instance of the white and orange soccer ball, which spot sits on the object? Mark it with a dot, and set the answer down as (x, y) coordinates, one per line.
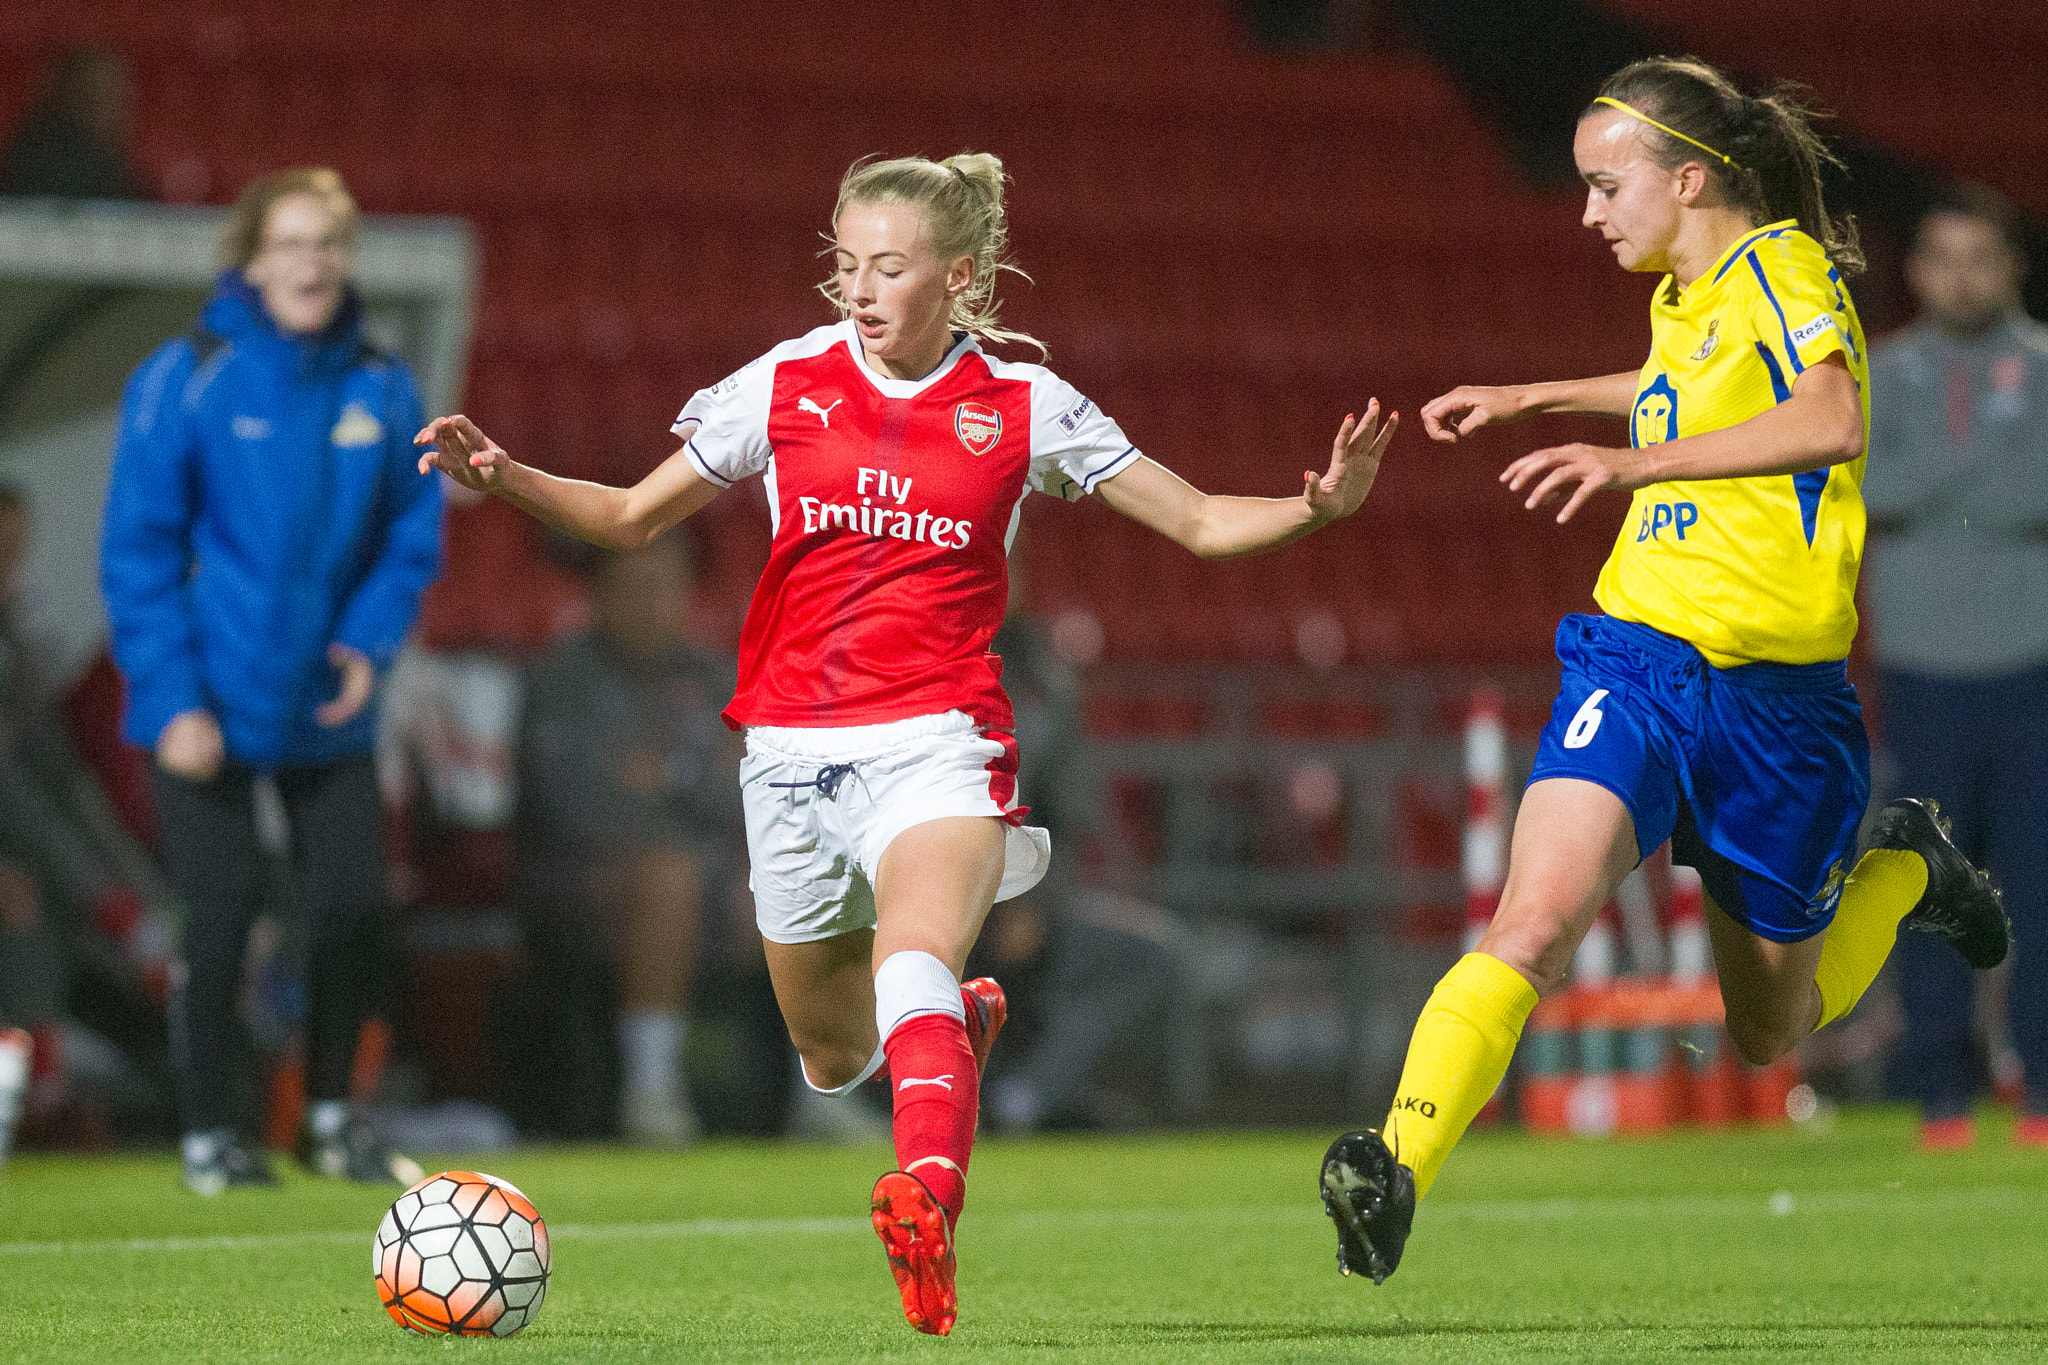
(462, 1253)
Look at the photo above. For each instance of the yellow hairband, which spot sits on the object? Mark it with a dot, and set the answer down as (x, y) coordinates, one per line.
(1666, 128)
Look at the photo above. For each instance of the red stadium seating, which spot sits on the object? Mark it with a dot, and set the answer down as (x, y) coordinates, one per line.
(1230, 251)
(1971, 104)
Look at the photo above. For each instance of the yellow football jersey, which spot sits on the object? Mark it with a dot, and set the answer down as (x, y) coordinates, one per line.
(1747, 570)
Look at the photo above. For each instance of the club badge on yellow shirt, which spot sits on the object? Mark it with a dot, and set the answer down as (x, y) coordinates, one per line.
(1758, 569)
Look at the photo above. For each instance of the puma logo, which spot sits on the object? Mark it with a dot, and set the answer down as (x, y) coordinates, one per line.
(908, 1081)
(824, 413)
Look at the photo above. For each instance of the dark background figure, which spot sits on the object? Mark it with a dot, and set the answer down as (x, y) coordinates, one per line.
(31, 965)
(1958, 591)
(75, 891)
(267, 537)
(1082, 967)
(629, 852)
(74, 143)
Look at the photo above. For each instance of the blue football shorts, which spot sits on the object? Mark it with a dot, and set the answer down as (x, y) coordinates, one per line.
(1758, 775)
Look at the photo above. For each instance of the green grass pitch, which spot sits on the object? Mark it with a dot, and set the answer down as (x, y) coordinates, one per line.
(1167, 1248)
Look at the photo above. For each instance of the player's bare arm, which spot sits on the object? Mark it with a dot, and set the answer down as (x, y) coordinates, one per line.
(1219, 527)
(1820, 425)
(614, 518)
(1469, 407)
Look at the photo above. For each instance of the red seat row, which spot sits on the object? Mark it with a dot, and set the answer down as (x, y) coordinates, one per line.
(1231, 251)
(1956, 85)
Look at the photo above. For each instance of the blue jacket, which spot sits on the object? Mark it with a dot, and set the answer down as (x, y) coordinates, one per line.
(264, 504)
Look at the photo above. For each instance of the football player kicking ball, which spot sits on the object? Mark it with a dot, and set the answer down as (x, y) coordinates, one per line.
(880, 778)
(1710, 704)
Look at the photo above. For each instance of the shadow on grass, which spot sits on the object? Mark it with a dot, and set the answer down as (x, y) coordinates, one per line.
(1721, 1336)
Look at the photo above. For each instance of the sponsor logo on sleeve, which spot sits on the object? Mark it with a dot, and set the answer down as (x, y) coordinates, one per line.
(732, 381)
(1812, 330)
(1070, 421)
(978, 426)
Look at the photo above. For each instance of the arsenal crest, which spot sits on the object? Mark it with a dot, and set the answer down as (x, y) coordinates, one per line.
(978, 426)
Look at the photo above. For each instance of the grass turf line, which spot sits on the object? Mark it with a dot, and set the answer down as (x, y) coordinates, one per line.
(1205, 1248)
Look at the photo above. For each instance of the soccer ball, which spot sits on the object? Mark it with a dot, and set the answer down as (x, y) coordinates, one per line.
(464, 1253)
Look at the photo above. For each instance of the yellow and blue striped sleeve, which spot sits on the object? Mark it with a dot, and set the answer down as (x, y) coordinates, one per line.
(1800, 311)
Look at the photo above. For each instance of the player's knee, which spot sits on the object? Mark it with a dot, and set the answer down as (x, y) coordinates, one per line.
(1536, 943)
(1761, 1041)
(834, 1051)
(828, 1066)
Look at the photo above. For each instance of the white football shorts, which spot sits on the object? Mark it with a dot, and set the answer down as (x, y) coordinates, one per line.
(822, 805)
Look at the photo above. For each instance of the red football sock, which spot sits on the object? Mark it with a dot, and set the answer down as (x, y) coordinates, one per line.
(931, 1074)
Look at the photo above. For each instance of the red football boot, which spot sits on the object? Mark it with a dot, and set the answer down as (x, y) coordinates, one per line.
(914, 1231)
(986, 1011)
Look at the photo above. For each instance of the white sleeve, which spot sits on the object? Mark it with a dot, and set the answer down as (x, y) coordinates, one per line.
(1074, 446)
(731, 440)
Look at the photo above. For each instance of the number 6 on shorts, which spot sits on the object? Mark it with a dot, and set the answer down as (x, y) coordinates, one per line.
(1586, 723)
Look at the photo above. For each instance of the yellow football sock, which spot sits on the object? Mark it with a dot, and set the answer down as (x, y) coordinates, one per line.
(1460, 1051)
(1887, 883)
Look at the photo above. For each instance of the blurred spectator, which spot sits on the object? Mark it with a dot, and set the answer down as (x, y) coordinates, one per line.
(1082, 967)
(53, 818)
(74, 143)
(1958, 496)
(80, 906)
(15, 1047)
(266, 541)
(627, 834)
(31, 965)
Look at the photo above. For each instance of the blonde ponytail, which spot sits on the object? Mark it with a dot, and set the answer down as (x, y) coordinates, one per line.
(962, 198)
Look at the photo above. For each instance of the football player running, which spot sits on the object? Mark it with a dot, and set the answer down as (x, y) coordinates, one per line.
(1710, 704)
(883, 817)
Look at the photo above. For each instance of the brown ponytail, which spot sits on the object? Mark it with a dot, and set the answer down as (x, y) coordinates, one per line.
(1778, 158)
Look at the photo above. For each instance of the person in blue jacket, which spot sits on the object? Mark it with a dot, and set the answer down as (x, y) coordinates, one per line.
(265, 545)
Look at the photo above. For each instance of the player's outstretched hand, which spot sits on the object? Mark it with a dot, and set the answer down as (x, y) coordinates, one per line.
(458, 449)
(1575, 473)
(1354, 464)
(1469, 407)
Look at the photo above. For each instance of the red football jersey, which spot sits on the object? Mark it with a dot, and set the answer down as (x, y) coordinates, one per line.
(893, 502)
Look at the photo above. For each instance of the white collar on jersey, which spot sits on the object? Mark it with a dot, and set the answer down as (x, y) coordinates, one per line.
(963, 342)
